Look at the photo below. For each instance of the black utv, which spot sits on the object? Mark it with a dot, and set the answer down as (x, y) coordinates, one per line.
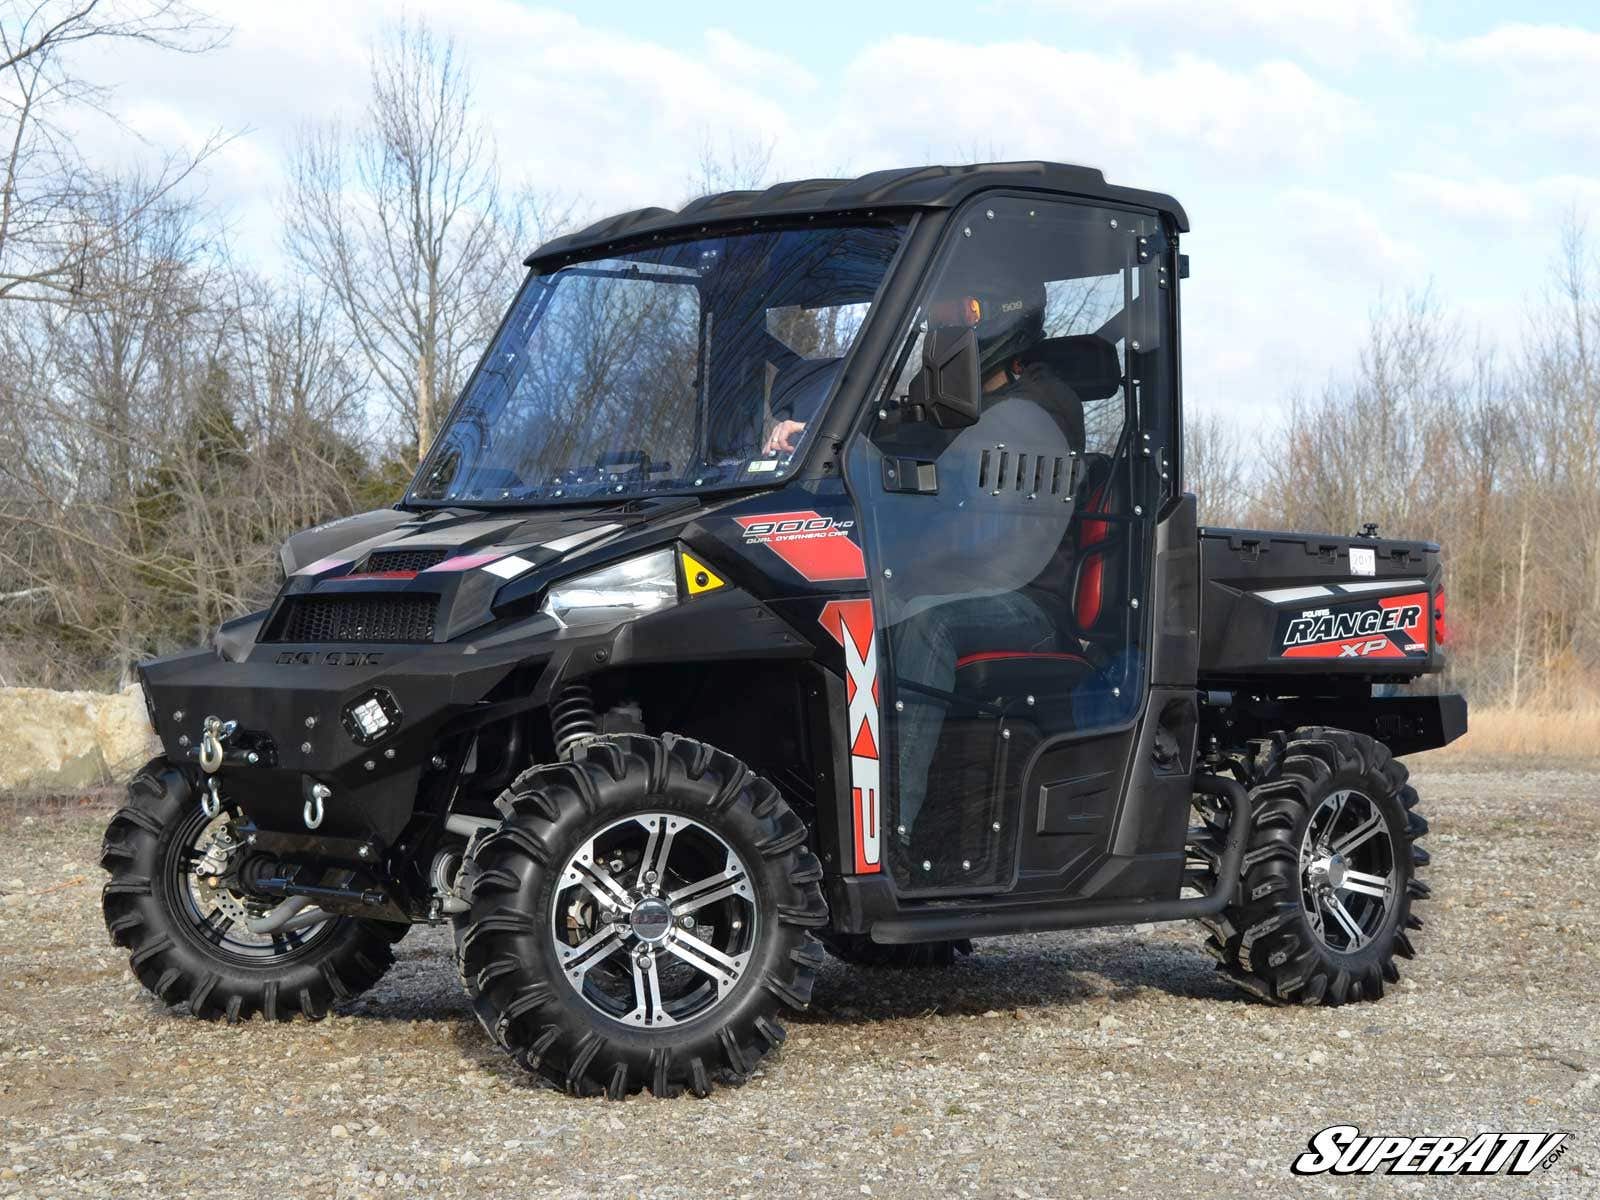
(804, 568)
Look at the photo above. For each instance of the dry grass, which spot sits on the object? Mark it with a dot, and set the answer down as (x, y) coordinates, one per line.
(1551, 733)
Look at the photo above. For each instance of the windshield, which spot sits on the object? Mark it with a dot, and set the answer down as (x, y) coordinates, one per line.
(684, 367)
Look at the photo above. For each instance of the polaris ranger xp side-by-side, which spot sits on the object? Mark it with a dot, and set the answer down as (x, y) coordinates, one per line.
(806, 568)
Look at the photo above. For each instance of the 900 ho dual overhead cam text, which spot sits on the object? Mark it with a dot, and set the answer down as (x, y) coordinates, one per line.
(806, 568)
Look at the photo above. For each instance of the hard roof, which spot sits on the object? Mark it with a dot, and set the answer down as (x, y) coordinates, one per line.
(903, 188)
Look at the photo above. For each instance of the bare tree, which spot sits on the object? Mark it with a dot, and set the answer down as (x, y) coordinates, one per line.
(737, 166)
(46, 248)
(1214, 468)
(1371, 447)
(167, 415)
(405, 222)
(1555, 478)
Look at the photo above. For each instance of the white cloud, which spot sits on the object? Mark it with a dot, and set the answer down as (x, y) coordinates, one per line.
(1568, 194)
(1533, 45)
(1280, 297)
(1480, 201)
(590, 112)
(1486, 202)
(751, 64)
(1342, 237)
(1320, 30)
(1548, 85)
(577, 109)
(1030, 100)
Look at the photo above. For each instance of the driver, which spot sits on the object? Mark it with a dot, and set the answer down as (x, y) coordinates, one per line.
(797, 394)
(939, 606)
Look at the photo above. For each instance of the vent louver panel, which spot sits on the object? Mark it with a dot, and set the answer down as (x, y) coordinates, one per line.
(1001, 470)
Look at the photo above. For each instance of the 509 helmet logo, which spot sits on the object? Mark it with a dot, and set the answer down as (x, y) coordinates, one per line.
(1345, 1150)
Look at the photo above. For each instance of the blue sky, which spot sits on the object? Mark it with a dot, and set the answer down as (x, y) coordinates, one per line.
(1328, 154)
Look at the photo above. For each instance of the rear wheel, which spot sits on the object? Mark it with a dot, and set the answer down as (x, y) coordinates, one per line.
(169, 901)
(639, 918)
(1324, 904)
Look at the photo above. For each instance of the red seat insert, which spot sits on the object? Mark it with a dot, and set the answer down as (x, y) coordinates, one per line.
(1091, 575)
(967, 660)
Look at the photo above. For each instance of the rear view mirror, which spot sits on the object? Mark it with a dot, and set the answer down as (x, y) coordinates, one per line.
(947, 389)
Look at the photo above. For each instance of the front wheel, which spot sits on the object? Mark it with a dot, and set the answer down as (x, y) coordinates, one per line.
(171, 902)
(639, 918)
(1324, 904)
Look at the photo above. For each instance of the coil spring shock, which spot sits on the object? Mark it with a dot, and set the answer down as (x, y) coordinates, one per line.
(573, 718)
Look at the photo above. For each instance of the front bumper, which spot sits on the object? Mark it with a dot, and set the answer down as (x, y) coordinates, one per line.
(291, 701)
(294, 728)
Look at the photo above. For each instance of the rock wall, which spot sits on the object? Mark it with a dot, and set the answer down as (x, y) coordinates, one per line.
(71, 741)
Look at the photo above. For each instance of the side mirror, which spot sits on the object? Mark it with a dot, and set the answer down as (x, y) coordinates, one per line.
(948, 389)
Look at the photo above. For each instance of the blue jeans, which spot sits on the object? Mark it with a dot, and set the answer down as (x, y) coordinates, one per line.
(925, 649)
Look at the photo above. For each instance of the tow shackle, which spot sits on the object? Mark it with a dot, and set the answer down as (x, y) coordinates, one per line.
(210, 754)
(313, 811)
(211, 800)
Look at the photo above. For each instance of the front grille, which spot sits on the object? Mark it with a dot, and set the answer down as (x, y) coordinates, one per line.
(358, 618)
(382, 561)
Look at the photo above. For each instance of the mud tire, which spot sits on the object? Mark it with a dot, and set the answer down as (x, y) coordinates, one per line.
(176, 962)
(507, 957)
(1264, 942)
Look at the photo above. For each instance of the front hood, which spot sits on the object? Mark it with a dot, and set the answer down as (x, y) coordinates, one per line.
(351, 541)
(397, 577)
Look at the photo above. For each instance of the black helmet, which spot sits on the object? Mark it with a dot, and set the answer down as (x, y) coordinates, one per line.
(1009, 323)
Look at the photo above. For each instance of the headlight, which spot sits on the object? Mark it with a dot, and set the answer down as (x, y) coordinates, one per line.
(615, 593)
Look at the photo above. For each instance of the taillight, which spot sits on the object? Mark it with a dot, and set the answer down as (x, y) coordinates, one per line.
(1441, 632)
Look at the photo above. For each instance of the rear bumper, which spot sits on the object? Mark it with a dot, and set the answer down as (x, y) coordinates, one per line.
(1410, 724)
(1406, 724)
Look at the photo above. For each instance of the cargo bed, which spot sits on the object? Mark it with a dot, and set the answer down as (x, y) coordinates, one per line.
(1280, 608)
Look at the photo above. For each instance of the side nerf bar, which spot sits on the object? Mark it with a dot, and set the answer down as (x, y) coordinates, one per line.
(952, 922)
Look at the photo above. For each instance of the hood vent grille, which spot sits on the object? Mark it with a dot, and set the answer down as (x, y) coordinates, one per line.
(405, 559)
(364, 617)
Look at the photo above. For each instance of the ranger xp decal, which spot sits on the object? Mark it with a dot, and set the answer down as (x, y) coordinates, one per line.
(818, 547)
(1387, 627)
(850, 622)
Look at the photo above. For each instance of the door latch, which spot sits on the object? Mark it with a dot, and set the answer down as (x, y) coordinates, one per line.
(910, 475)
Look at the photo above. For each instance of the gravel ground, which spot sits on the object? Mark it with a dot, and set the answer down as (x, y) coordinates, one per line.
(1092, 1063)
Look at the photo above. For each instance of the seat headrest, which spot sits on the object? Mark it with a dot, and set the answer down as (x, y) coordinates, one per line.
(802, 373)
(799, 387)
(1086, 362)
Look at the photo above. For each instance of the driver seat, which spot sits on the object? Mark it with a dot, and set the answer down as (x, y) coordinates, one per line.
(1078, 589)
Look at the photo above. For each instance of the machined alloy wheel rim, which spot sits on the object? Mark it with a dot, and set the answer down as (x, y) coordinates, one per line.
(217, 911)
(1348, 877)
(654, 920)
